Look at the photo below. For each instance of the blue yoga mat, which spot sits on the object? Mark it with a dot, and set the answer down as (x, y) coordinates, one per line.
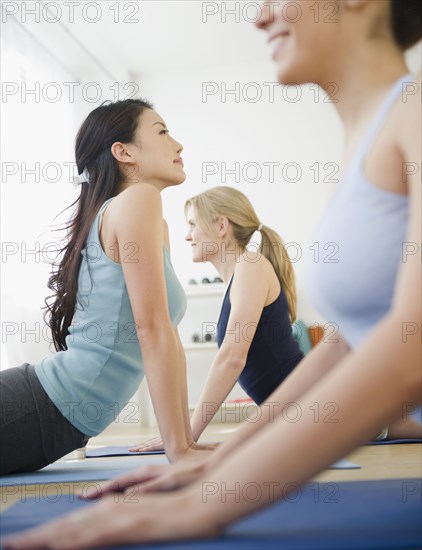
(124, 451)
(118, 451)
(81, 470)
(381, 514)
(394, 441)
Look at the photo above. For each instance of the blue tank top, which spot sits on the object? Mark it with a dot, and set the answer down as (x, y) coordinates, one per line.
(273, 353)
(367, 227)
(95, 377)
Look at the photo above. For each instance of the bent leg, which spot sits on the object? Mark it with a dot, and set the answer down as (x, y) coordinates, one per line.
(33, 432)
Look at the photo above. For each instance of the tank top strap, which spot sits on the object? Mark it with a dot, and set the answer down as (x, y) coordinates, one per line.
(99, 218)
(227, 293)
(104, 205)
(379, 118)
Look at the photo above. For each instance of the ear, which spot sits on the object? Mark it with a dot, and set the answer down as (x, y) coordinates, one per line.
(222, 224)
(121, 153)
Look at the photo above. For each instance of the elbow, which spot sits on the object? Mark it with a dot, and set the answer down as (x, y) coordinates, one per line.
(154, 329)
(233, 362)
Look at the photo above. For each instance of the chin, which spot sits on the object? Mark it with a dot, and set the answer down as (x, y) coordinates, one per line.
(289, 74)
(180, 178)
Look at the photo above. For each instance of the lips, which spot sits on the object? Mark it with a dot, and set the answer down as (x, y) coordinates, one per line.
(178, 161)
(277, 42)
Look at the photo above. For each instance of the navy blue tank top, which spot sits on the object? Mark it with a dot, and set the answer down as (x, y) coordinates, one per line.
(273, 354)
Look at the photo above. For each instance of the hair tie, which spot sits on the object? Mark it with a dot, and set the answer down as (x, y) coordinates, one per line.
(84, 177)
(259, 227)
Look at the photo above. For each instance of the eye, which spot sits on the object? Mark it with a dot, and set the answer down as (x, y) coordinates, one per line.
(164, 132)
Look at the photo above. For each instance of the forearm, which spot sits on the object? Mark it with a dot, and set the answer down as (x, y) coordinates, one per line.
(162, 362)
(184, 391)
(319, 361)
(368, 387)
(222, 377)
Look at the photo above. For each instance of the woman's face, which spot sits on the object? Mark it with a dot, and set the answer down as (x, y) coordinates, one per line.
(303, 36)
(155, 154)
(204, 246)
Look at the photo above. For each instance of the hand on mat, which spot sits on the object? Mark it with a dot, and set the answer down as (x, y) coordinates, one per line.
(151, 478)
(119, 520)
(156, 444)
(153, 444)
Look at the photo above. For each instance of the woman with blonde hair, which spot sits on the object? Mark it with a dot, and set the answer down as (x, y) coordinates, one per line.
(254, 332)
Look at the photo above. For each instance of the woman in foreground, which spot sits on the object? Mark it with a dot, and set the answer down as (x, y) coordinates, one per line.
(373, 372)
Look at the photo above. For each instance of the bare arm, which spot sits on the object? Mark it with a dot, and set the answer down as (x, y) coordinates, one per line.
(241, 327)
(182, 359)
(362, 410)
(319, 361)
(145, 281)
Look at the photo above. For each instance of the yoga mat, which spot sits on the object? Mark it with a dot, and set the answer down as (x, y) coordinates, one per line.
(393, 441)
(353, 515)
(118, 451)
(80, 470)
(124, 451)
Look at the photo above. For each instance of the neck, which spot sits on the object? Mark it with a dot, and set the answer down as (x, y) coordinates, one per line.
(225, 262)
(126, 184)
(362, 79)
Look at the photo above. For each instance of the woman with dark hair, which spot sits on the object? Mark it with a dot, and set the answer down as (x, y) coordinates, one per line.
(372, 370)
(117, 301)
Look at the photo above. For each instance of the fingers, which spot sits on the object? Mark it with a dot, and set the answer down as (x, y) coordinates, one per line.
(120, 483)
(154, 444)
(81, 529)
(159, 484)
(146, 447)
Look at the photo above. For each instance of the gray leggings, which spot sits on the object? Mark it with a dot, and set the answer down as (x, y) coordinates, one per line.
(33, 432)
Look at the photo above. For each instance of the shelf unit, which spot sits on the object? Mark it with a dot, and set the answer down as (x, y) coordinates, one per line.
(202, 290)
(201, 346)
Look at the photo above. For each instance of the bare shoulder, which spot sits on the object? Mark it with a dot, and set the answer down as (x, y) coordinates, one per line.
(408, 130)
(141, 195)
(409, 110)
(253, 266)
(138, 202)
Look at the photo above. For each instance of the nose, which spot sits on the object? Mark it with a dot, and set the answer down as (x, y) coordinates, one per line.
(179, 147)
(188, 236)
(266, 16)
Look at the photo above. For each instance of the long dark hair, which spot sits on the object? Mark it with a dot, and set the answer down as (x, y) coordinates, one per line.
(104, 126)
(406, 22)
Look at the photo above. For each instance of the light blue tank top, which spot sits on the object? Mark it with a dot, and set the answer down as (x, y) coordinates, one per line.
(353, 285)
(95, 377)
